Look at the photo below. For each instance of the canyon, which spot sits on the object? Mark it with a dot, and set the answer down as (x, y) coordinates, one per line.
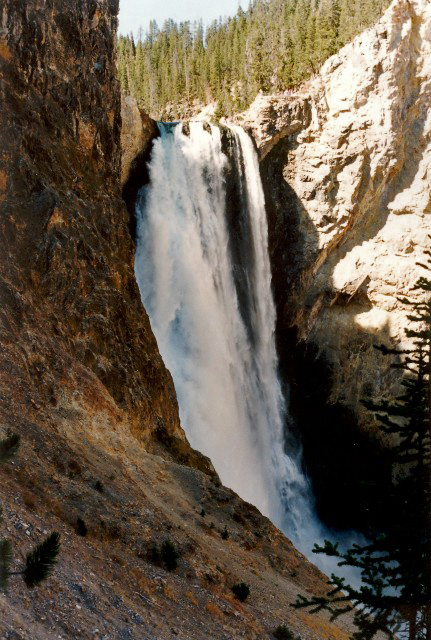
(345, 165)
(82, 381)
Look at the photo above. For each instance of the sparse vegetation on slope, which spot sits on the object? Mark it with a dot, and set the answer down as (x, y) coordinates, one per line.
(41, 561)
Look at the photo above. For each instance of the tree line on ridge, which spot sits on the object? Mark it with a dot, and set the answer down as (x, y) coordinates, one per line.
(273, 46)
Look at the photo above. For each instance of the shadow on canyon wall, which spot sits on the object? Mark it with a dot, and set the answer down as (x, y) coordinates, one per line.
(348, 464)
(137, 178)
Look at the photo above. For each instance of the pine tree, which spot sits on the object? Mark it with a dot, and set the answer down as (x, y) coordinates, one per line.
(41, 561)
(273, 45)
(396, 564)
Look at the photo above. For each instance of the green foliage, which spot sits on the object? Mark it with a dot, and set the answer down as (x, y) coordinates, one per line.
(220, 111)
(225, 534)
(272, 46)
(41, 561)
(169, 555)
(395, 565)
(166, 555)
(9, 446)
(284, 633)
(154, 554)
(241, 591)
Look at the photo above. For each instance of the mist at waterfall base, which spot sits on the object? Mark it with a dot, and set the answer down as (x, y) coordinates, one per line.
(203, 270)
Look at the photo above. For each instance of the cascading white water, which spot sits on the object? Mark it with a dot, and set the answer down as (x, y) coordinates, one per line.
(203, 270)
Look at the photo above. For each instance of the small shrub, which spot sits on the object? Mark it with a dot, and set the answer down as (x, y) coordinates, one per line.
(225, 534)
(241, 591)
(154, 555)
(99, 486)
(166, 555)
(283, 633)
(169, 555)
(81, 527)
(202, 513)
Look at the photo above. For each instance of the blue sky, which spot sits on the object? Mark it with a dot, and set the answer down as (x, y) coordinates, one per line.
(136, 13)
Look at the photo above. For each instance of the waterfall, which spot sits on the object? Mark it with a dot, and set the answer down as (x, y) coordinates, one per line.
(203, 270)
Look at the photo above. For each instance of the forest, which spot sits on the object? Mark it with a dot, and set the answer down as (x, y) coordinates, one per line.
(271, 47)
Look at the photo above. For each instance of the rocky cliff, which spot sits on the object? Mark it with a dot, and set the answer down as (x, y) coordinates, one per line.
(82, 381)
(70, 305)
(346, 162)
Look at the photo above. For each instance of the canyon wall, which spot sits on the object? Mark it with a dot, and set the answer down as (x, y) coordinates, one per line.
(82, 381)
(346, 162)
(71, 311)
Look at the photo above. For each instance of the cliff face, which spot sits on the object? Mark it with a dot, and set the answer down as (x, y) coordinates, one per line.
(82, 381)
(346, 163)
(71, 312)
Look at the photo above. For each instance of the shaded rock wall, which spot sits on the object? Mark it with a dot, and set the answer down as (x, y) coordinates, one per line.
(137, 134)
(346, 163)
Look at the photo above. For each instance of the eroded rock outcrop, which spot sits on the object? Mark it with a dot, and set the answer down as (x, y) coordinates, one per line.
(137, 132)
(346, 162)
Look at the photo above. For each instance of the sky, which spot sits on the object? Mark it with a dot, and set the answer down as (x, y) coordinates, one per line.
(136, 13)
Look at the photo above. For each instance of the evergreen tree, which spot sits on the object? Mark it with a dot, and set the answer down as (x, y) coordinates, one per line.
(274, 45)
(41, 561)
(395, 565)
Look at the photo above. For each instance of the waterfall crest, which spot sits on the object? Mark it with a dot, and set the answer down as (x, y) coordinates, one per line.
(203, 270)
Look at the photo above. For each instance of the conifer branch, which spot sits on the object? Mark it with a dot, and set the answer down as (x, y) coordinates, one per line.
(41, 561)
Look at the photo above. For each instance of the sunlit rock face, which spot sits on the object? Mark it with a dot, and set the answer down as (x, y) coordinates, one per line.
(346, 165)
(354, 149)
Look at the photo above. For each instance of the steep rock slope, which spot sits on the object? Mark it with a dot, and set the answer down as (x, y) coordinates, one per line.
(82, 382)
(346, 163)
